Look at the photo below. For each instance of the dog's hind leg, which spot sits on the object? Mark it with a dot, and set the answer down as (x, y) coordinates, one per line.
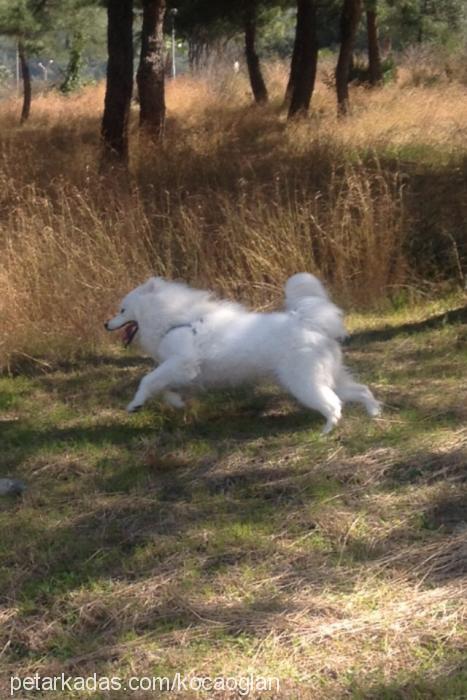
(314, 395)
(349, 390)
(175, 371)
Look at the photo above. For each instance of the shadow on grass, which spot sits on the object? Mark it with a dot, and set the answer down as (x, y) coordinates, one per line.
(155, 532)
(135, 520)
(444, 682)
(429, 468)
(154, 540)
(454, 316)
(23, 440)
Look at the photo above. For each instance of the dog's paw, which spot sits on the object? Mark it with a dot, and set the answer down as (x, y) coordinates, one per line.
(173, 399)
(134, 407)
(376, 410)
(330, 425)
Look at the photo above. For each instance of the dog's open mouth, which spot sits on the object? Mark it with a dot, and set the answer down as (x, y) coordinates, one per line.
(130, 329)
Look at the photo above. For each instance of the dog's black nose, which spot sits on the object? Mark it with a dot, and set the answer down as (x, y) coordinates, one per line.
(106, 325)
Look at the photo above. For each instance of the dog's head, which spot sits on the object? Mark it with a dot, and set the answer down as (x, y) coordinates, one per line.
(132, 309)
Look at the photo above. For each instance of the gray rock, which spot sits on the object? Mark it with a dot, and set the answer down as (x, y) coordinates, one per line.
(11, 487)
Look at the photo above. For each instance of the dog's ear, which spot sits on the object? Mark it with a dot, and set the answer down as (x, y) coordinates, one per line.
(152, 285)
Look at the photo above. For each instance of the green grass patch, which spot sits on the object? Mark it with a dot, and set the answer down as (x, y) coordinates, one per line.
(234, 536)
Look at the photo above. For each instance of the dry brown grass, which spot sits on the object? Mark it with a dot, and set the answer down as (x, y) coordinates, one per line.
(234, 199)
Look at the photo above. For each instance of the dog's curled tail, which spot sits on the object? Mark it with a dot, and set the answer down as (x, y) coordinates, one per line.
(303, 285)
(308, 299)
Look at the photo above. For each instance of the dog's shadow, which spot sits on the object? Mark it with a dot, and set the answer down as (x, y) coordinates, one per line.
(245, 414)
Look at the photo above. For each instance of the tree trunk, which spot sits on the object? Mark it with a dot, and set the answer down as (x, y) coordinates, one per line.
(258, 85)
(151, 70)
(197, 47)
(374, 55)
(26, 77)
(119, 81)
(350, 17)
(303, 79)
(296, 53)
(194, 54)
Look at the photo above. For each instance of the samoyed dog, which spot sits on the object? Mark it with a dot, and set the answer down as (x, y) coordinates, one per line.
(199, 341)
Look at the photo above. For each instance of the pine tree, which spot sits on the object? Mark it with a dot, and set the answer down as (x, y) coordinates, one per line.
(304, 59)
(119, 87)
(350, 17)
(374, 56)
(151, 71)
(26, 21)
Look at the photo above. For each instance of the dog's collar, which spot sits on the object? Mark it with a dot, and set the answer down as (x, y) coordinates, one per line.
(183, 325)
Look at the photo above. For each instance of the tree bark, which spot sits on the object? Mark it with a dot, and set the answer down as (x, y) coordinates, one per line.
(303, 74)
(119, 81)
(194, 53)
(258, 86)
(350, 17)
(151, 70)
(26, 77)
(296, 53)
(374, 55)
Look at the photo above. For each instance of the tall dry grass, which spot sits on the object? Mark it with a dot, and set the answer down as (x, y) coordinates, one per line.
(234, 199)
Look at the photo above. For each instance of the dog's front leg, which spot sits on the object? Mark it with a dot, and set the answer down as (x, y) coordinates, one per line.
(176, 371)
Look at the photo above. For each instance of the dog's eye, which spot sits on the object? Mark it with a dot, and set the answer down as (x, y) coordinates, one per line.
(122, 311)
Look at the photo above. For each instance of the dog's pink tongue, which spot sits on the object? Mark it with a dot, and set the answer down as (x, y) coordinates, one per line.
(125, 334)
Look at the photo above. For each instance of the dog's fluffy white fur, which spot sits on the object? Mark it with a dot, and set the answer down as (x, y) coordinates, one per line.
(200, 341)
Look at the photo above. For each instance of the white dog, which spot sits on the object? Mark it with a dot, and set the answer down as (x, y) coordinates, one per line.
(200, 341)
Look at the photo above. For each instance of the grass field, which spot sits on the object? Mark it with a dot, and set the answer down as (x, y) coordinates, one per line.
(235, 199)
(234, 538)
